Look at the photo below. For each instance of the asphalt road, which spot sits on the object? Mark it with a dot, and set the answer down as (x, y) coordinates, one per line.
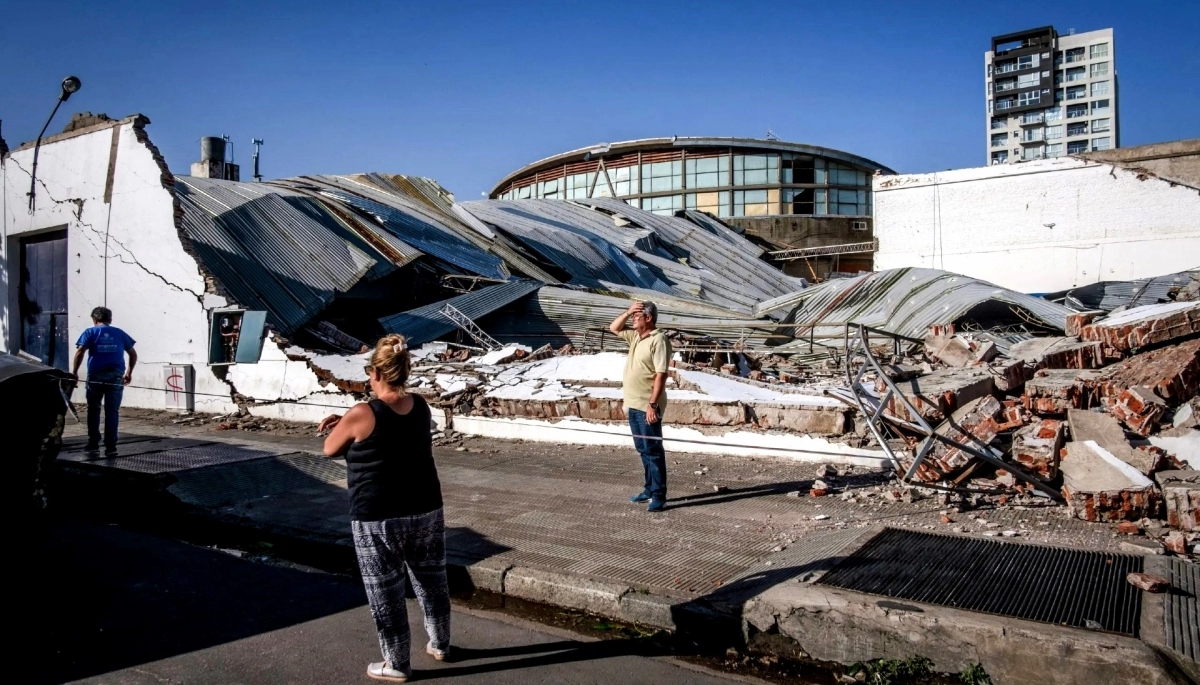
(101, 604)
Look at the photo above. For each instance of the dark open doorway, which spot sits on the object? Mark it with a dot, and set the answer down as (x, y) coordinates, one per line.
(43, 298)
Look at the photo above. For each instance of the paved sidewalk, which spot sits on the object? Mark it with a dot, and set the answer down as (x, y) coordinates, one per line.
(554, 524)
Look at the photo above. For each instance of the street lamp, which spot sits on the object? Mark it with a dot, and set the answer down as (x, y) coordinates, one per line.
(69, 85)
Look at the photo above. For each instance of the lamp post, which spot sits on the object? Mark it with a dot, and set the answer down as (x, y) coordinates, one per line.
(69, 85)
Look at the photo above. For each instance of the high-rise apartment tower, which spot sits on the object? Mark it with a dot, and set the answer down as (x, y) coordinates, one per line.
(1050, 95)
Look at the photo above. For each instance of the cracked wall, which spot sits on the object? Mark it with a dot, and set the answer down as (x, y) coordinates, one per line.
(1038, 226)
(125, 254)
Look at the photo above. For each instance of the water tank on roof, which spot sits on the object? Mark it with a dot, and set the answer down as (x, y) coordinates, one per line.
(212, 149)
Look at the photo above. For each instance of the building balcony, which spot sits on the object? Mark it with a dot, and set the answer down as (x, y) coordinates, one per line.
(1032, 118)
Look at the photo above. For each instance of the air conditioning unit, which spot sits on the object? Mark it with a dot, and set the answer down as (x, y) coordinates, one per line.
(858, 225)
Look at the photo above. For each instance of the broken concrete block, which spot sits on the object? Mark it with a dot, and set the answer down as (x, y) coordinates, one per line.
(1059, 353)
(1076, 321)
(1105, 431)
(951, 351)
(691, 412)
(1036, 447)
(903, 372)
(1181, 492)
(601, 409)
(1147, 582)
(972, 424)
(1010, 374)
(1139, 409)
(816, 420)
(1054, 391)
(938, 394)
(986, 351)
(1173, 373)
(1148, 325)
(1100, 487)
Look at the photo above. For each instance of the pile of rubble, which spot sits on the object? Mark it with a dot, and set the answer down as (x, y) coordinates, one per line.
(1107, 415)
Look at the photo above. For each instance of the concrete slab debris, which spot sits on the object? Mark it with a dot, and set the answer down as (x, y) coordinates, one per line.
(1059, 353)
(1148, 325)
(1106, 432)
(1172, 372)
(1100, 487)
(1054, 391)
(939, 394)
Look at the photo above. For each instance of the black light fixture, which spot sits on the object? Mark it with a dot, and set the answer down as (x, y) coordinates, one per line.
(69, 85)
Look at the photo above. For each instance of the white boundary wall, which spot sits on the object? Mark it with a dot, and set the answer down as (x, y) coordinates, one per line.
(152, 285)
(1040, 226)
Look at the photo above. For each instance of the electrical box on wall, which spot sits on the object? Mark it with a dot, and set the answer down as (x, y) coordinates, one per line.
(179, 387)
(235, 336)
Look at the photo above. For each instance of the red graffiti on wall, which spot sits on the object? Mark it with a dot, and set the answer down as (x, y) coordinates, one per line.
(173, 385)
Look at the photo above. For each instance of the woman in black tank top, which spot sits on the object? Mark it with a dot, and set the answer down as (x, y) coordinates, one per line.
(396, 507)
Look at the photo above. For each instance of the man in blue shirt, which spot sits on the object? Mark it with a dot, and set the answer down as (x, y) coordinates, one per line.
(106, 346)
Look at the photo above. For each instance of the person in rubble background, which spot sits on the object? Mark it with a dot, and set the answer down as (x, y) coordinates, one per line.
(644, 389)
(106, 347)
(396, 508)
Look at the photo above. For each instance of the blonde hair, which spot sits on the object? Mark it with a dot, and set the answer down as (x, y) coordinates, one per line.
(391, 360)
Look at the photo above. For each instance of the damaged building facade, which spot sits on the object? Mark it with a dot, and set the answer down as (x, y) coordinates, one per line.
(809, 204)
(1048, 225)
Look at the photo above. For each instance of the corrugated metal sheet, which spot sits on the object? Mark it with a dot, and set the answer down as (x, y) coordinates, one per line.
(723, 231)
(423, 324)
(1108, 295)
(578, 250)
(907, 301)
(560, 315)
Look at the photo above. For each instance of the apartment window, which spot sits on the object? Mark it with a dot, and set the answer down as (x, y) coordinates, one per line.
(1032, 135)
(1079, 129)
(1028, 80)
(1029, 98)
(1100, 107)
(1000, 157)
(1099, 125)
(1006, 66)
(1005, 103)
(1000, 122)
(1076, 74)
(1075, 111)
(1054, 150)
(1054, 114)
(1099, 88)
(1006, 84)
(1053, 132)
(1076, 92)
(1098, 50)
(1032, 152)
(707, 172)
(999, 140)
(1031, 118)
(1101, 143)
(1028, 61)
(1099, 69)
(662, 176)
(1075, 55)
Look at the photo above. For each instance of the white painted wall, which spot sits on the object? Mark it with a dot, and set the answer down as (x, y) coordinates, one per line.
(152, 285)
(1038, 226)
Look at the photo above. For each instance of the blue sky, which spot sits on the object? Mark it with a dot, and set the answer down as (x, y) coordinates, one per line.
(465, 92)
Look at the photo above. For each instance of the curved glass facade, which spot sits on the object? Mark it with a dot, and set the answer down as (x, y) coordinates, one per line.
(731, 181)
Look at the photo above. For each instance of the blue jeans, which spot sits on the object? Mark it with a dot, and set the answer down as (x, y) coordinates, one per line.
(107, 388)
(654, 457)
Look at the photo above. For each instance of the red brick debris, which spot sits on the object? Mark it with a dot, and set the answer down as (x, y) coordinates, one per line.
(1147, 582)
(1160, 324)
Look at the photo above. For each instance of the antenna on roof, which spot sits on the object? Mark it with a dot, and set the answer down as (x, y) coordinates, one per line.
(257, 143)
(771, 135)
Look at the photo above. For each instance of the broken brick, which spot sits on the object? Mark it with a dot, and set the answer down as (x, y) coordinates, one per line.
(1173, 373)
(1129, 528)
(1036, 447)
(1147, 582)
(1100, 487)
(937, 395)
(1148, 325)
(1176, 542)
(1059, 353)
(1181, 492)
(1139, 409)
(1011, 374)
(946, 519)
(1076, 321)
(1054, 391)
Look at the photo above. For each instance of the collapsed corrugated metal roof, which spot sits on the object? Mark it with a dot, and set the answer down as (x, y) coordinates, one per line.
(1109, 295)
(907, 301)
(423, 324)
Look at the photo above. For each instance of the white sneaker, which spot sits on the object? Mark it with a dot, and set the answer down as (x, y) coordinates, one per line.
(383, 671)
(439, 654)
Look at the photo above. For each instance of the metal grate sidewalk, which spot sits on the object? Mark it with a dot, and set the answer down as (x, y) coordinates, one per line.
(1084, 589)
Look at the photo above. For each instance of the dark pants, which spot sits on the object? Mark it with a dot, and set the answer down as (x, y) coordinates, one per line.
(107, 388)
(654, 457)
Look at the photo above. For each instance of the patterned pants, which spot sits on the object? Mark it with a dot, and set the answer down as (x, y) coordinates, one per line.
(385, 550)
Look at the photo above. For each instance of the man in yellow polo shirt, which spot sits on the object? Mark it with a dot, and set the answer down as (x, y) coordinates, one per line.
(645, 393)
